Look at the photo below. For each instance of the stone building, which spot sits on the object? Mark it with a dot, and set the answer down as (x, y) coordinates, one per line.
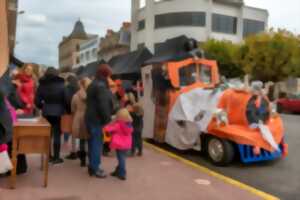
(69, 47)
(115, 43)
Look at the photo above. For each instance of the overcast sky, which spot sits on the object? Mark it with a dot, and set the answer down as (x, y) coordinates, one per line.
(44, 23)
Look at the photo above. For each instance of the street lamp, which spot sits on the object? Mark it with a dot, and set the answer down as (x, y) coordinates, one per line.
(21, 12)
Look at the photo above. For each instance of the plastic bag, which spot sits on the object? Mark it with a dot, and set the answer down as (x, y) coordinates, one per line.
(5, 163)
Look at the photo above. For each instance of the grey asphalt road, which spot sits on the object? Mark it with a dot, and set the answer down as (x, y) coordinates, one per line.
(280, 178)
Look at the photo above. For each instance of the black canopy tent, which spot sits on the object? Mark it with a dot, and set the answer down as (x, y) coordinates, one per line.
(128, 66)
(89, 70)
(173, 49)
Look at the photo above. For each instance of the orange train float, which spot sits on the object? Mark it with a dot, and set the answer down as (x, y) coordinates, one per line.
(183, 105)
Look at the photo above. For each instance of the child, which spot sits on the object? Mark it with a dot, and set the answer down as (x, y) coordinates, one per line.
(137, 116)
(121, 140)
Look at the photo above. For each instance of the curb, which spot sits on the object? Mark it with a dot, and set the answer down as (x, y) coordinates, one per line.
(226, 179)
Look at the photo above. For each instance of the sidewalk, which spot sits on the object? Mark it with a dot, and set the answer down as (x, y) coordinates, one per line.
(152, 177)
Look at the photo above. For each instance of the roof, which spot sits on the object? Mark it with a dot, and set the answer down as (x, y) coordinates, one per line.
(129, 63)
(89, 70)
(78, 31)
(171, 50)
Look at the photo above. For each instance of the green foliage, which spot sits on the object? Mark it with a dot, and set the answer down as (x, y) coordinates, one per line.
(271, 56)
(224, 52)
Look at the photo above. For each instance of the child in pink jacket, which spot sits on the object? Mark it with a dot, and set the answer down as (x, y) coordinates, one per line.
(121, 140)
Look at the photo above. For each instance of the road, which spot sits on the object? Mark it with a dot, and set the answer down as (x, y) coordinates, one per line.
(280, 178)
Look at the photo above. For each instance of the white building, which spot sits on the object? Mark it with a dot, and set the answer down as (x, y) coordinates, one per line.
(154, 21)
(88, 51)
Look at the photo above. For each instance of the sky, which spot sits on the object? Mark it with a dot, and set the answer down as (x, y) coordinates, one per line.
(44, 23)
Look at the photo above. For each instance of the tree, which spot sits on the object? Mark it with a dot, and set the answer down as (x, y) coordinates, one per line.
(271, 56)
(224, 52)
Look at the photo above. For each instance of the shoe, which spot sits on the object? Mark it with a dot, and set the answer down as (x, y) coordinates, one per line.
(114, 174)
(57, 161)
(97, 174)
(123, 178)
(51, 159)
(82, 156)
(140, 153)
(71, 156)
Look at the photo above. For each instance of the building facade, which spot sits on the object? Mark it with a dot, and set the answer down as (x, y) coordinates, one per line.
(8, 17)
(88, 52)
(69, 47)
(115, 43)
(155, 21)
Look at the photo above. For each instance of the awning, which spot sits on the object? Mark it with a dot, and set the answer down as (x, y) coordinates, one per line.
(173, 49)
(89, 70)
(15, 62)
(129, 65)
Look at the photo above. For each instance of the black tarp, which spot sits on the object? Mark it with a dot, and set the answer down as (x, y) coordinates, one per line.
(89, 70)
(5, 80)
(173, 49)
(15, 61)
(129, 65)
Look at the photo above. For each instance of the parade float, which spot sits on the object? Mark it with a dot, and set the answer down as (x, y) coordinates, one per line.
(188, 107)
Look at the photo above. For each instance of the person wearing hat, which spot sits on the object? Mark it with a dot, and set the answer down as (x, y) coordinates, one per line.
(121, 140)
(97, 115)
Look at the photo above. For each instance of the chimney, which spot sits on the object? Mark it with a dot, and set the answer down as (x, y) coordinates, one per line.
(126, 25)
(109, 32)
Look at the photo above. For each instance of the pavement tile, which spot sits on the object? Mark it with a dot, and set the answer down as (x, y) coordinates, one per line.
(151, 177)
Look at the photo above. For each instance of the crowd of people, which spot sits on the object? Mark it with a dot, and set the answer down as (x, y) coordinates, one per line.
(98, 112)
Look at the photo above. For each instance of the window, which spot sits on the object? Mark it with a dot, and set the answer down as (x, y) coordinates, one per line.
(180, 19)
(87, 55)
(187, 75)
(253, 27)
(141, 25)
(193, 73)
(77, 47)
(224, 24)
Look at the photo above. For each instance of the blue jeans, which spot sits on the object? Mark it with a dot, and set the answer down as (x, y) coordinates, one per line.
(95, 144)
(121, 168)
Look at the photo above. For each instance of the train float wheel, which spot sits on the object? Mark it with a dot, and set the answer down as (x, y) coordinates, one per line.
(221, 152)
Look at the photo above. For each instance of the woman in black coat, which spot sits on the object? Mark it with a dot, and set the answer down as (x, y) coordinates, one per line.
(5, 122)
(50, 98)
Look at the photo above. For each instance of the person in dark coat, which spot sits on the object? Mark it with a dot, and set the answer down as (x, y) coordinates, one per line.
(70, 90)
(5, 122)
(50, 98)
(97, 115)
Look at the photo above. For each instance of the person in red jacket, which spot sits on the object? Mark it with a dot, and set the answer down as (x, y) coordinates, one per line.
(25, 89)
